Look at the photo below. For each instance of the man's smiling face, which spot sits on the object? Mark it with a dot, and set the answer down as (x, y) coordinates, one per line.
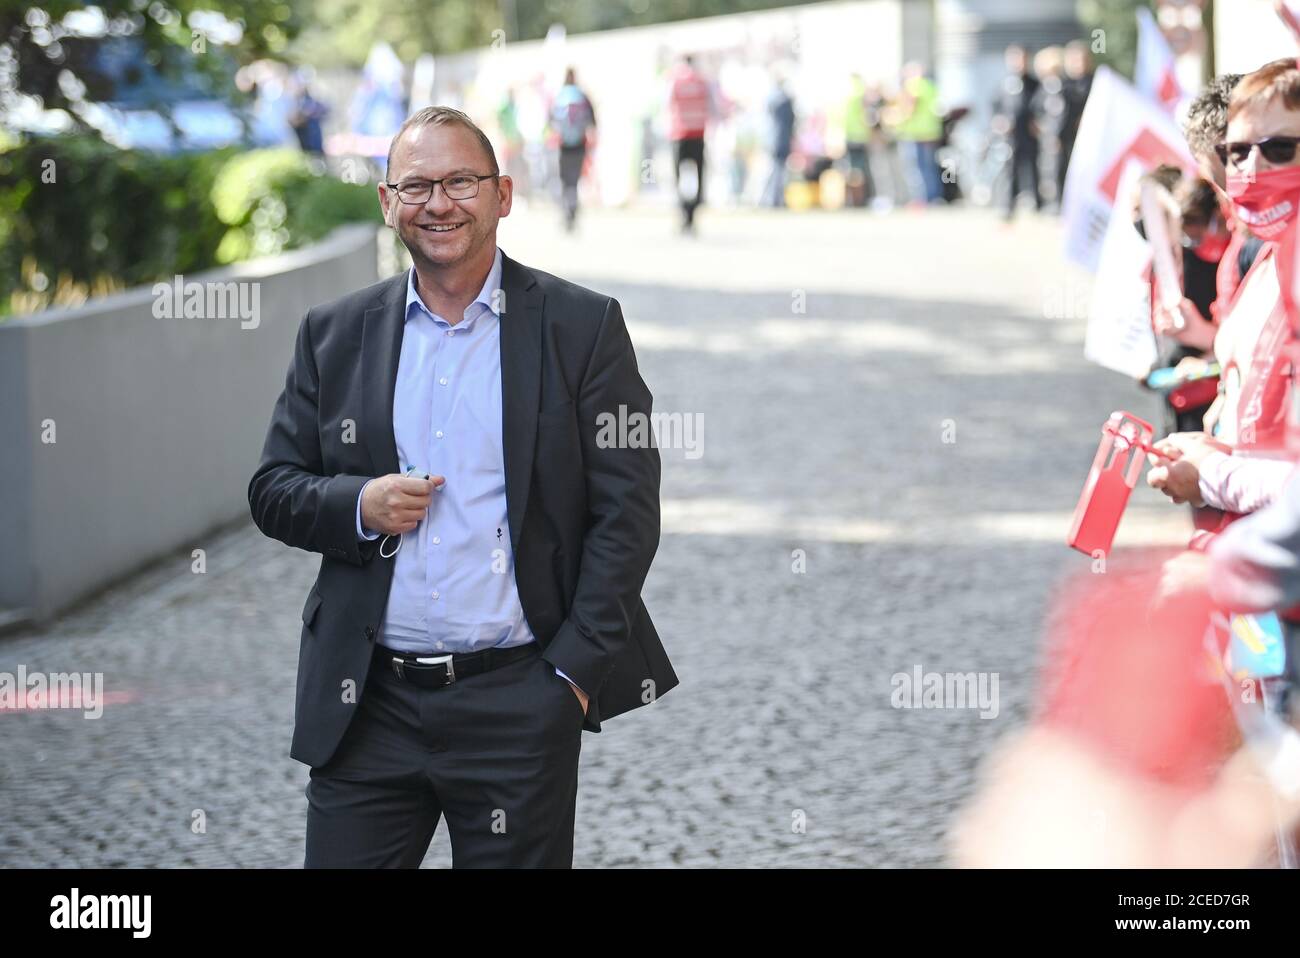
(442, 232)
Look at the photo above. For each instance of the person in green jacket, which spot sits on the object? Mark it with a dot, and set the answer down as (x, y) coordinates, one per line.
(857, 134)
(920, 129)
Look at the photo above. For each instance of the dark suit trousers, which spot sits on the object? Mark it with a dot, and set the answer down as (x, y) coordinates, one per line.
(496, 753)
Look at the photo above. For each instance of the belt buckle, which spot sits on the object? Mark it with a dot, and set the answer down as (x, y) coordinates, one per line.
(441, 660)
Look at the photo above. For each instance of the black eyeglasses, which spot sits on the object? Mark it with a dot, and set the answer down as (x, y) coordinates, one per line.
(462, 186)
(1275, 149)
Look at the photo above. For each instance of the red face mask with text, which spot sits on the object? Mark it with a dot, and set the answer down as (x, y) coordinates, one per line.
(1266, 202)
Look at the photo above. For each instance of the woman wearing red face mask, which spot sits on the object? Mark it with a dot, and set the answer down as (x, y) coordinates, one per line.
(1246, 465)
(1243, 467)
(1206, 127)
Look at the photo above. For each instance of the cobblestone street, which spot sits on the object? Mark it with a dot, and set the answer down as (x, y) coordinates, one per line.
(897, 396)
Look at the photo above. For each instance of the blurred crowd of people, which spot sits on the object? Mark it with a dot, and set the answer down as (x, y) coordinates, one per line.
(1173, 698)
(778, 145)
(867, 147)
(1036, 117)
(770, 139)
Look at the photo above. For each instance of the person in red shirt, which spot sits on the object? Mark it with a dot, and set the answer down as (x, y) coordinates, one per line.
(690, 107)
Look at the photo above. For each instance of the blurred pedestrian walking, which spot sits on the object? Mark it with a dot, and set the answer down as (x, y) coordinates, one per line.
(780, 114)
(1075, 87)
(1014, 119)
(306, 117)
(574, 119)
(690, 106)
(1049, 109)
(919, 129)
(857, 134)
(513, 160)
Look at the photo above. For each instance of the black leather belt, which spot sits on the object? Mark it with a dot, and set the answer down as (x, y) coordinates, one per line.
(436, 671)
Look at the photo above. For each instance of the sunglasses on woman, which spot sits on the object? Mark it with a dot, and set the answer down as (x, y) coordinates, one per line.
(1275, 149)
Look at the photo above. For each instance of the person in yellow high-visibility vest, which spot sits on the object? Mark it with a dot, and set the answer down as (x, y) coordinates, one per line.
(857, 134)
(919, 129)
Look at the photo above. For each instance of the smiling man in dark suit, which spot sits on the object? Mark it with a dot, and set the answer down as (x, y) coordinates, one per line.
(478, 602)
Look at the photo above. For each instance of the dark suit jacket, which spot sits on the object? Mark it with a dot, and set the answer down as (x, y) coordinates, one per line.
(584, 521)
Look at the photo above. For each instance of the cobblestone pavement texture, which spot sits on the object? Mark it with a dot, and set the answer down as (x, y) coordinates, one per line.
(830, 356)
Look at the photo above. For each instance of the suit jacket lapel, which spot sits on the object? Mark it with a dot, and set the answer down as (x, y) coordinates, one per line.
(381, 348)
(521, 384)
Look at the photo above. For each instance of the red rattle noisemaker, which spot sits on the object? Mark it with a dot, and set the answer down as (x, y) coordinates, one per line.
(1124, 440)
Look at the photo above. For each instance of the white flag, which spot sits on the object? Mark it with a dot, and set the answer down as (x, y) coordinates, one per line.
(1119, 125)
(1119, 334)
(1155, 72)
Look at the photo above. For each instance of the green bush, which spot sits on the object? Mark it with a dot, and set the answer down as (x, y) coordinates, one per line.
(83, 217)
(272, 201)
(79, 217)
(327, 203)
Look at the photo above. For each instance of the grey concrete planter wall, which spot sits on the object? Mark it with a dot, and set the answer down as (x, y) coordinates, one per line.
(156, 422)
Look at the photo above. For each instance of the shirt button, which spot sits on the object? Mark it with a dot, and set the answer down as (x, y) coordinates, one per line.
(438, 433)
(443, 381)
(440, 645)
(451, 332)
(437, 540)
(435, 595)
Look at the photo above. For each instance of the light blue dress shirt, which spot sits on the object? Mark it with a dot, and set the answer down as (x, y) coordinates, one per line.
(454, 575)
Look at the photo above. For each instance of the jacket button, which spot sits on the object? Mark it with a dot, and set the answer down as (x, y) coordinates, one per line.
(370, 632)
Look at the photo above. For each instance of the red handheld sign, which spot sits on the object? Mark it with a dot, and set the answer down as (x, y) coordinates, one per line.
(1114, 473)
